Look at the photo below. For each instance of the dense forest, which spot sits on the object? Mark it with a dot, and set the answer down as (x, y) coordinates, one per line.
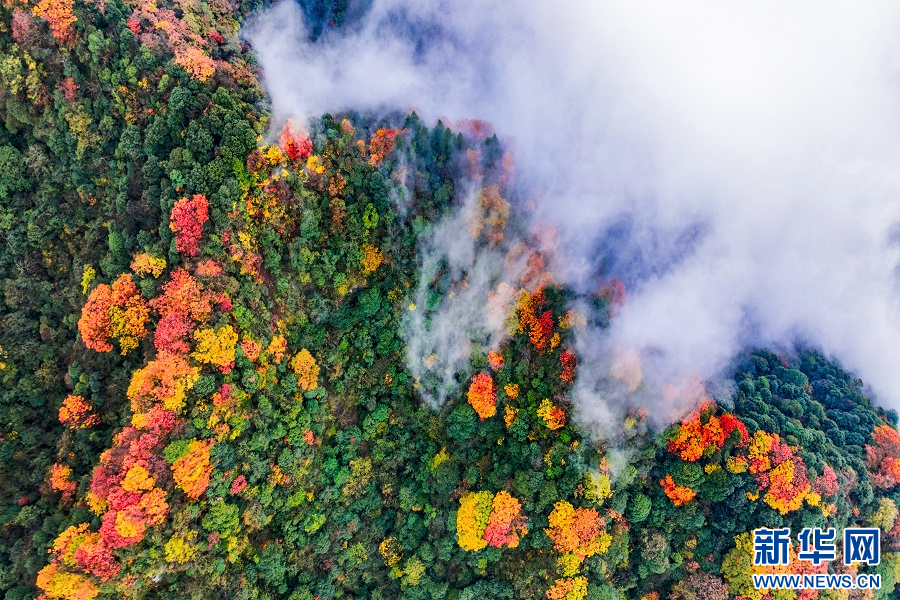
(206, 388)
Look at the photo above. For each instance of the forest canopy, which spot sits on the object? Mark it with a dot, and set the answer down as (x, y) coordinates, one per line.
(209, 387)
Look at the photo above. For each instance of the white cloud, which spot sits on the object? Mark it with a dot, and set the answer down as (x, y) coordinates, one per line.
(752, 149)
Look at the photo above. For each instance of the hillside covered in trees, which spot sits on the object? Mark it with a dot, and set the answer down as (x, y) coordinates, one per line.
(206, 388)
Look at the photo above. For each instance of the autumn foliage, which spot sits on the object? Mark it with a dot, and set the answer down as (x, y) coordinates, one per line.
(702, 433)
(883, 457)
(118, 311)
(487, 519)
(536, 321)
(578, 531)
(381, 145)
(188, 217)
(306, 369)
(59, 15)
(553, 416)
(780, 472)
(678, 494)
(482, 395)
(191, 471)
(76, 412)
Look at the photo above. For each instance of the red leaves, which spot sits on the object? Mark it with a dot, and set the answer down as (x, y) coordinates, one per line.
(883, 457)
(569, 363)
(702, 432)
(186, 221)
(295, 147)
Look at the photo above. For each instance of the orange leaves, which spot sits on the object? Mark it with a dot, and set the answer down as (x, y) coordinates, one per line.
(554, 417)
(779, 471)
(60, 16)
(118, 311)
(76, 412)
(568, 588)
(702, 433)
(195, 61)
(192, 470)
(678, 494)
(578, 531)
(304, 365)
(60, 481)
(60, 585)
(538, 323)
(94, 323)
(165, 380)
(883, 457)
(371, 259)
(487, 519)
(381, 145)
(489, 215)
(495, 360)
(482, 395)
(512, 390)
(187, 219)
(505, 523)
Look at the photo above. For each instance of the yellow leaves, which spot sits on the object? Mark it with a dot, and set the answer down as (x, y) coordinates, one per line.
(371, 259)
(59, 585)
(304, 365)
(128, 528)
(314, 164)
(597, 487)
(391, 551)
(138, 479)
(180, 549)
(274, 155)
(87, 277)
(554, 418)
(736, 464)
(96, 504)
(276, 348)
(147, 264)
(191, 471)
(512, 390)
(472, 519)
(439, 459)
(216, 346)
(509, 415)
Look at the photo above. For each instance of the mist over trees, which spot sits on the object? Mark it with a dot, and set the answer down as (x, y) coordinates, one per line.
(211, 386)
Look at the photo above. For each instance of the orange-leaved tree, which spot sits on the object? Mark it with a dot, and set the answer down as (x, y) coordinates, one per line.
(482, 395)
